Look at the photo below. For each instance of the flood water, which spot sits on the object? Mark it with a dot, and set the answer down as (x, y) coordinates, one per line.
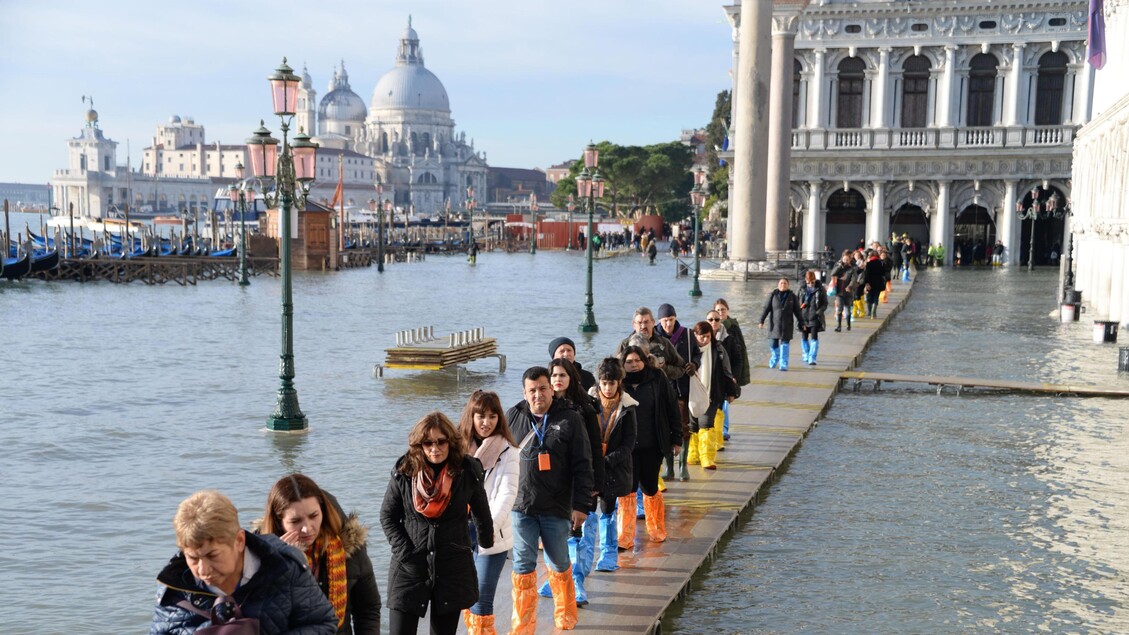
(902, 512)
(911, 512)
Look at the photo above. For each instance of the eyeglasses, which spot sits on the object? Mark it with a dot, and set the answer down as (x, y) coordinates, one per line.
(713, 319)
(431, 443)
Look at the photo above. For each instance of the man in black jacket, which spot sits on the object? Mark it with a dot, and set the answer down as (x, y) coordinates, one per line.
(554, 493)
(687, 348)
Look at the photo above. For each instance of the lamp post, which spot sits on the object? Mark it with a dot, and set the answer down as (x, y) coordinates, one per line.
(292, 171)
(697, 201)
(591, 187)
(238, 193)
(379, 225)
(470, 204)
(571, 206)
(533, 221)
(1046, 210)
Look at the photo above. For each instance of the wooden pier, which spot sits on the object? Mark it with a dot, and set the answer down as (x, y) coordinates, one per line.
(182, 270)
(420, 349)
(860, 379)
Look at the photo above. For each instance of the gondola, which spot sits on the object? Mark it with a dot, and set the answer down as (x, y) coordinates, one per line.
(16, 268)
(44, 260)
(224, 253)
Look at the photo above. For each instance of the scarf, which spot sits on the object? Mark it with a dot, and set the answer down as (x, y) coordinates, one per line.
(491, 448)
(676, 336)
(607, 415)
(635, 378)
(335, 574)
(431, 494)
(705, 370)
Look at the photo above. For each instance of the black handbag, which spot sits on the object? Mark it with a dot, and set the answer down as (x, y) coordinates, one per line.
(226, 617)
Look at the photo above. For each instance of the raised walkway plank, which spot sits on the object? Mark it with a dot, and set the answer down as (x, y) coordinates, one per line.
(995, 384)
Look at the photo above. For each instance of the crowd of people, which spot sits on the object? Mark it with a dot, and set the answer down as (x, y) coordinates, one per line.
(567, 472)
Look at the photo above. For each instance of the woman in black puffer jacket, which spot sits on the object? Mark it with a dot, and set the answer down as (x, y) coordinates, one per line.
(424, 516)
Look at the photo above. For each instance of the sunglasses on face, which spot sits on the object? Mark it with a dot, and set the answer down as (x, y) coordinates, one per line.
(713, 319)
(429, 443)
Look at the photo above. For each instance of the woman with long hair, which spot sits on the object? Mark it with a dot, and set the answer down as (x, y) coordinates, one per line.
(658, 430)
(813, 304)
(617, 446)
(782, 310)
(715, 374)
(483, 427)
(738, 353)
(424, 516)
(843, 280)
(311, 520)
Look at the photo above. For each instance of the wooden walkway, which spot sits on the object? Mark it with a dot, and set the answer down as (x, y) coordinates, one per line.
(182, 270)
(768, 423)
(860, 379)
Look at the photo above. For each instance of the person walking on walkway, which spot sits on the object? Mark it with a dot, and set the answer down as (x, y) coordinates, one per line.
(311, 520)
(666, 358)
(618, 429)
(686, 346)
(782, 310)
(717, 377)
(658, 433)
(484, 430)
(564, 347)
(738, 353)
(722, 337)
(424, 516)
(875, 278)
(843, 280)
(813, 304)
(581, 549)
(554, 493)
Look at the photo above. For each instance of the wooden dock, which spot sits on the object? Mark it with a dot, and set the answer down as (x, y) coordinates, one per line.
(182, 270)
(420, 349)
(775, 413)
(860, 379)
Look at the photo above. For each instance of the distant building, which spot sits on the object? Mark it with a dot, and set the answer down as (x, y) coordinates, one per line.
(27, 196)
(517, 185)
(695, 139)
(555, 173)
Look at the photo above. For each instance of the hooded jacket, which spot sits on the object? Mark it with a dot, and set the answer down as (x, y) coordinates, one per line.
(619, 441)
(282, 594)
(568, 483)
(431, 557)
(658, 421)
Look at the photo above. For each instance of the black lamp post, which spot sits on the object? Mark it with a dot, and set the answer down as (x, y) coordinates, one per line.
(533, 221)
(571, 206)
(591, 187)
(292, 171)
(379, 225)
(238, 192)
(698, 201)
(1047, 210)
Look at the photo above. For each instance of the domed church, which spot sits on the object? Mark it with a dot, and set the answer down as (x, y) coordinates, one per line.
(407, 129)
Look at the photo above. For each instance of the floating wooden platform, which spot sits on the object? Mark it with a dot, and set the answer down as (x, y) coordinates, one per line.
(420, 349)
(860, 378)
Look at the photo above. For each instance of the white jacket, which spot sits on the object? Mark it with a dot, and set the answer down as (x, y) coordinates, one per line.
(501, 490)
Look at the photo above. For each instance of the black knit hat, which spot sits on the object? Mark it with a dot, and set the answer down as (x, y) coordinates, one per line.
(555, 344)
(665, 311)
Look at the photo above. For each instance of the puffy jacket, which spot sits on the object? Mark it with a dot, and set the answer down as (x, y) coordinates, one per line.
(874, 273)
(729, 343)
(686, 345)
(568, 483)
(658, 421)
(813, 304)
(501, 490)
(619, 439)
(431, 557)
(783, 312)
(738, 351)
(845, 273)
(588, 409)
(362, 608)
(282, 595)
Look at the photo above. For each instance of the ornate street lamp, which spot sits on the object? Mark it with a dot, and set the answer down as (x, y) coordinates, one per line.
(379, 225)
(591, 187)
(698, 201)
(238, 193)
(1036, 211)
(292, 173)
(571, 206)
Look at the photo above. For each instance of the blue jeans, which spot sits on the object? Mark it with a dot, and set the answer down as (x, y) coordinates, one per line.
(489, 568)
(553, 532)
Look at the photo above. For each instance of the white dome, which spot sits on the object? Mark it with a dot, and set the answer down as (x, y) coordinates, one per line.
(410, 87)
(342, 105)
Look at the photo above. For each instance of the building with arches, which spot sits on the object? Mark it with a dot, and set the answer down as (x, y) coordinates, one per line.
(930, 119)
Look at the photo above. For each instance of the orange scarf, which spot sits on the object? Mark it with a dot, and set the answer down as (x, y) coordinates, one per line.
(431, 495)
(335, 574)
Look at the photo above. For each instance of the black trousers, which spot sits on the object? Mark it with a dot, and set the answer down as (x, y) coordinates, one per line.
(401, 623)
(645, 464)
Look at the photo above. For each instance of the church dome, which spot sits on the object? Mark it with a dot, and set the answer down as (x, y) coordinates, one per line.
(341, 103)
(410, 86)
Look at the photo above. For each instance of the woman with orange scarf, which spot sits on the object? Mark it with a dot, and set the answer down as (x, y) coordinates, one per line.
(424, 516)
(310, 519)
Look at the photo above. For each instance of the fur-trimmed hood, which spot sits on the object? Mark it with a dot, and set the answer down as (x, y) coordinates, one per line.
(354, 534)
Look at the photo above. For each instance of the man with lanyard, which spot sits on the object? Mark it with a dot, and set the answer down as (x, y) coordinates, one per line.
(555, 458)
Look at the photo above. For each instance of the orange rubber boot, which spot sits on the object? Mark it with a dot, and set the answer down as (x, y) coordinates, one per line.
(524, 621)
(655, 509)
(625, 513)
(564, 599)
(479, 624)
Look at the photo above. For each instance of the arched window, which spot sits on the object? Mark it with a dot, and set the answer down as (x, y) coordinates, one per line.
(427, 140)
(427, 178)
(416, 149)
(850, 93)
(1048, 90)
(796, 105)
(915, 92)
(981, 90)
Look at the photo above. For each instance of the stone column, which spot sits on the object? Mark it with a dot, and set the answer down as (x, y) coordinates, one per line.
(813, 222)
(815, 90)
(751, 133)
(940, 226)
(945, 98)
(1009, 224)
(878, 106)
(876, 229)
(780, 133)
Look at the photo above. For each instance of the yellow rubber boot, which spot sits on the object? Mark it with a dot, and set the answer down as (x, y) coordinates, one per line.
(692, 457)
(719, 430)
(655, 509)
(706, 449)
(479, 624)
(662, 483)
(625, 517)
(524, 621)
(564, 599)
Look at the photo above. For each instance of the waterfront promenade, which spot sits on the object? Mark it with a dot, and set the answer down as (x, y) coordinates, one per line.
(767, 424)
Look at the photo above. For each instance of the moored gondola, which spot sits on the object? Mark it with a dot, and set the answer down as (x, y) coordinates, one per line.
(16, 268)
(44, 261)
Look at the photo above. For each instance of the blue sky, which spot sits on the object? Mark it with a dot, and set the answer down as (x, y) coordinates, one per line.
(530, 81)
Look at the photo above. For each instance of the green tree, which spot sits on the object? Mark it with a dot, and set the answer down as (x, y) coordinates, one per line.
(716, 131)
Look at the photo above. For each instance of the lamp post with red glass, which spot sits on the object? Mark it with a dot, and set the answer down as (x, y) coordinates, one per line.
(698, 201)
(590, 186)
(292, 171)
(571, 206)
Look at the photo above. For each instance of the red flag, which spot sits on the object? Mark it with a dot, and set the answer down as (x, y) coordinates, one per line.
(339, 193)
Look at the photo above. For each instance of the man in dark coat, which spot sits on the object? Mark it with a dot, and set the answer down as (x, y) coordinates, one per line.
(782, 309)
(554, 493)
(666, 358)
(687, 348)
(565, 348)
(265, 577)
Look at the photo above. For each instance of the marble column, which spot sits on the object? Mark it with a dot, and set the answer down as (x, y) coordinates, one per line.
(1009, 224)
(945, 98)
(751, 133)
(815, 90)
(813, 222)
(780, 134)
(940, 225)
(878, 106)
(876, 229)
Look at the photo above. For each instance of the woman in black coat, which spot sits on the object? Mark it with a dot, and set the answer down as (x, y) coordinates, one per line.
(874, 272)
(716, 374)
(813, 304)
(782, 309)
(424, 516)
(617, 429)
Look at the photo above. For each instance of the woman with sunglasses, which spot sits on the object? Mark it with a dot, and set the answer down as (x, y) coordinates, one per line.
(424, 516)
(311, 520)
(483, 428)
